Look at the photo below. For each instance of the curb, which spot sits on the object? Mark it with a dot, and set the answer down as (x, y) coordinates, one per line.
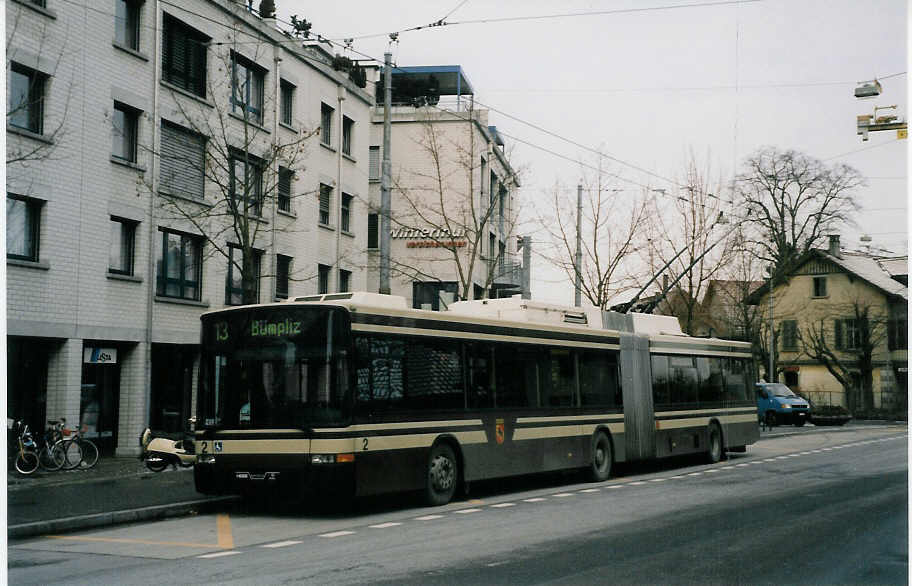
(829, 429)
(114, 517)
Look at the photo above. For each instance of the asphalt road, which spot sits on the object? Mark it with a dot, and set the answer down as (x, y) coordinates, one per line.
(822, 508)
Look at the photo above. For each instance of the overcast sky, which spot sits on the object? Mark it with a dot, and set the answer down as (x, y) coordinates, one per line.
(649, 86)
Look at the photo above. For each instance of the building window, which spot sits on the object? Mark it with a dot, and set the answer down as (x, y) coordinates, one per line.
(283, 275)
(247, 81)
(325, 201)
(184, 56)
(284, 188)
(897, 333)
(246, 183)
(124, 133)
(234, 283)
(23, 217)
(26, 99)
(286, 103)
(820, 289)
(326, 122)
(178, 266)
(183, 161)
(348, 126)
(852, 331)
(374, 164)
(322, 279)
(345, 218)
(373, 231)
(120, 254)
(126, 23)
(433, 295)
(789, 334)
(344, 281)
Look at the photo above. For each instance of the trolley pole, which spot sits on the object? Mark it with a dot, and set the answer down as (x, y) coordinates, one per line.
(578, 265)
(385, 177)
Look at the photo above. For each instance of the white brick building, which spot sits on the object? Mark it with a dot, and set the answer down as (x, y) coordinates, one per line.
(108, 108)
(453, 212)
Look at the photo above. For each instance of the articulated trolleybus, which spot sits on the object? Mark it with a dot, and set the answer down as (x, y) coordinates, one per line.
(358, 394)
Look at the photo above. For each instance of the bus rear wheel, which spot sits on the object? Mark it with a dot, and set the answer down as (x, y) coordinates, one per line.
(715, 444)
(442, 475)
(600, 465)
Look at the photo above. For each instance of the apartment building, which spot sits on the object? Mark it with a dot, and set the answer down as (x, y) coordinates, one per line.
(453, 193)
(156, 151)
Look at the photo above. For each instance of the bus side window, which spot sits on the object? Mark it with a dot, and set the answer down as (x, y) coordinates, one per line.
(479, 375)
(562, 374)
(660, 392)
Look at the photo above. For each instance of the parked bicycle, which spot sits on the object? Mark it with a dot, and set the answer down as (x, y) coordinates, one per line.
(87, 448)
(22, 448)
(69, 451)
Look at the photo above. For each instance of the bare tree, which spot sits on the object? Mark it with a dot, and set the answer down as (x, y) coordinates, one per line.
(440, 200)
(795, 201)
(250, 168)
(611, 229)
(847, 347)
(693, 216)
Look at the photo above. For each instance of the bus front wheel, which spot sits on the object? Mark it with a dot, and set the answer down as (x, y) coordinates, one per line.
(600, 465)
(442, 475)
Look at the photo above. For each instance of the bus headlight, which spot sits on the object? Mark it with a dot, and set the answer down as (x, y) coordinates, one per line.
(323, 459)
(205, 459)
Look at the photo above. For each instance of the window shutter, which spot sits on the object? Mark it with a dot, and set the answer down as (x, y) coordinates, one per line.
(182, 161)
(837, 327)
(373, 233)
(374, 166)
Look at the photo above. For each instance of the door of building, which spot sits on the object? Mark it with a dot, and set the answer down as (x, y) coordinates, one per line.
(99, 402)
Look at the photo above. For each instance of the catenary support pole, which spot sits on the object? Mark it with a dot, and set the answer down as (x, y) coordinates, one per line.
(385, 177)
(578, 265)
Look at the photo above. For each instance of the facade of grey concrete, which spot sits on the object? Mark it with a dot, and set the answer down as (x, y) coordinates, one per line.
(94, 335)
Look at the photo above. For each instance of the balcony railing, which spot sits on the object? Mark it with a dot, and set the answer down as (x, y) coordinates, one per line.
(507, 271)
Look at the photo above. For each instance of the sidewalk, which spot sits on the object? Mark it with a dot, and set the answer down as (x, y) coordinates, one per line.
(116, 490)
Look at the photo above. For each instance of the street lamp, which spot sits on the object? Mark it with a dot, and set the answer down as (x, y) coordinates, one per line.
(772, 338)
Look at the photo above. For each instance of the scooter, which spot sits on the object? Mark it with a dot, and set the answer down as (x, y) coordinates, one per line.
(160, 452)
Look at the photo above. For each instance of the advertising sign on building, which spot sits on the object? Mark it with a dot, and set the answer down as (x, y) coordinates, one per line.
(96, 355)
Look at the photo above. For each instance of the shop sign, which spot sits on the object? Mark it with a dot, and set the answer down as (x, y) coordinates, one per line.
(97, 355)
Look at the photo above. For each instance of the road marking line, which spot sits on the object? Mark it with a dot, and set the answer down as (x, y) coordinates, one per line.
(335, 534)
(534, 500)
(503, 505)
(561, 495)
(223, 529)
(384, 525)
(727, 468)
(658, 480)
(613, 486)
(219, 554)
(137, 541)
(682, 476)
(282, 544)
(699, 473)
(713, 471)
(476, 502)
(428, 517)
(637, 483)
(590, 490)
(466, 511)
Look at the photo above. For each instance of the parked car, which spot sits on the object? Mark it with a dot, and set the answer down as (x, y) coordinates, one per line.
(777, 404)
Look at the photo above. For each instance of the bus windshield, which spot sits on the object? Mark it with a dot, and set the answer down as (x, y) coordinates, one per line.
(275, 368)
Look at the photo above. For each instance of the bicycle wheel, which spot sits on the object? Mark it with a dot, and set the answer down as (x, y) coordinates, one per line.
(51, 457)
(72, 452)
(26, 462)
(89, 453)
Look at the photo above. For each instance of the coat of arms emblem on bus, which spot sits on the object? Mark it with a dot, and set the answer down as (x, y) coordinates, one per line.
(499, 430)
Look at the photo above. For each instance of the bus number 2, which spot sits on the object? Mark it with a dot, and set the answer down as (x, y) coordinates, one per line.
(364, 444)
